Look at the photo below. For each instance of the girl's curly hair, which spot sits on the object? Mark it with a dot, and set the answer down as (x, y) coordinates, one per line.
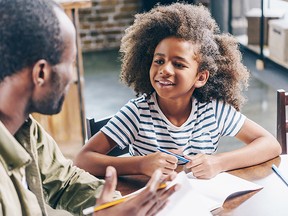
(217, 53)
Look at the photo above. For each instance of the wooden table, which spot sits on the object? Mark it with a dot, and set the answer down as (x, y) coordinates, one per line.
(269, 201)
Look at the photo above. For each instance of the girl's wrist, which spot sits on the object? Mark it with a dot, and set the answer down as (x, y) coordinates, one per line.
(221, 162)
(141, 164)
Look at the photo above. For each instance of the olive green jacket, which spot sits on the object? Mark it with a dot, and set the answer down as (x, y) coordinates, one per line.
(50, 177)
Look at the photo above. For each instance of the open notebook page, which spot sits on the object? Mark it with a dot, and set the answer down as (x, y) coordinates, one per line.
(221, 187)
(186, 201)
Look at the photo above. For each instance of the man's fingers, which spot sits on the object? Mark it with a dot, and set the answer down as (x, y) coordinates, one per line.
(151, 188)
(171, 176)
(167, 193)
(154, 181)
(157, 207)
(109, 186)
(151, 199)
(161, 199)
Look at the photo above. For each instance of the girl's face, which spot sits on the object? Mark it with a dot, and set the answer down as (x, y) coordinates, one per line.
(173, 72)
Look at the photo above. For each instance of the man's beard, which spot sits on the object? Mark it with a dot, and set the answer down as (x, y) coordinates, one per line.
(49, 106)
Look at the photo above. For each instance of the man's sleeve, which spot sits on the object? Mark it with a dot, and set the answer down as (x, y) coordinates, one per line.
(65, 186)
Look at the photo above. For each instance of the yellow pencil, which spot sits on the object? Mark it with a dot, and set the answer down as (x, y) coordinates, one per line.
(114, 202)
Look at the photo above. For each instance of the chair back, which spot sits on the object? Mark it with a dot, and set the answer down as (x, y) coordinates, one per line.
(282, 120)
(94, 126)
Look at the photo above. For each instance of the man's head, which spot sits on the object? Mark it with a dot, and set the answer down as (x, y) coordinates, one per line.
(37, 36)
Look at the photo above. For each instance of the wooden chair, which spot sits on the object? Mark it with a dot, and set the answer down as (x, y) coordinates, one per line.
(282, 119)
(94, 126)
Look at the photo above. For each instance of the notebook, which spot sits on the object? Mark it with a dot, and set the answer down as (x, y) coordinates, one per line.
(200, 196)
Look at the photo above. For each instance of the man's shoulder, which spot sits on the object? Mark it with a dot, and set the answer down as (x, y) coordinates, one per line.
(32, 122)
(36, 130)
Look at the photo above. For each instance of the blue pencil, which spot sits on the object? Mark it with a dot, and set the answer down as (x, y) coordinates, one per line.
(178, 156)
(279, 174)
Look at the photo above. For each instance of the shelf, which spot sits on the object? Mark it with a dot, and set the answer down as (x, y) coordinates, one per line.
(243, 40)
(283, 64)
(262, 50)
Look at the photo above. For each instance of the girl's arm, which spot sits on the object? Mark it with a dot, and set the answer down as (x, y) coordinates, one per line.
(261, 146)
(93, 159)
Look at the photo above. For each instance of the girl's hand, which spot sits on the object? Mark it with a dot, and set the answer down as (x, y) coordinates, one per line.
(203, 166)
(158, 160)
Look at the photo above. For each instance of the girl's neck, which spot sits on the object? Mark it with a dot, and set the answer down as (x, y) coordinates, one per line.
(176, 111)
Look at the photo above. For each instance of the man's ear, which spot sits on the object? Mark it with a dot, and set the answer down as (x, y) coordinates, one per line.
(41, 72)
(202, 78)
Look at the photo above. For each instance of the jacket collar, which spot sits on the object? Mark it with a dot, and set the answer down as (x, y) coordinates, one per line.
(12, 152)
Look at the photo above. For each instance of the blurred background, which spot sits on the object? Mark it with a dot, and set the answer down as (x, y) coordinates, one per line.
(101, 25)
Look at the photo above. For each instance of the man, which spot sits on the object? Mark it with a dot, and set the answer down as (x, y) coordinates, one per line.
(37, 52)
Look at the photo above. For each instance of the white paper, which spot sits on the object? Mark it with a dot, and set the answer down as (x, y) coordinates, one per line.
(221, 187)
(185, 201)
(200, 196)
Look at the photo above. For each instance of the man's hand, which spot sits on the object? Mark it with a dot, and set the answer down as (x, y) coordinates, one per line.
(109, 186)
(148, 202)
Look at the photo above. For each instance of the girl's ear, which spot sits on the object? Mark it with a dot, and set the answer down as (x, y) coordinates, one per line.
(202, 78)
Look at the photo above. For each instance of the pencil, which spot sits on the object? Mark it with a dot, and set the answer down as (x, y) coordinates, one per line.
(92, 209)
(279, 174)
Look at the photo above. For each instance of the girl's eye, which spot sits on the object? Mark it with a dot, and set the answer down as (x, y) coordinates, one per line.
(179, 65)
(159, 61)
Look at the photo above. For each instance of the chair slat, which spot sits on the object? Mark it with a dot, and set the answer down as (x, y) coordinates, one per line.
(94, 126)
(282, 121)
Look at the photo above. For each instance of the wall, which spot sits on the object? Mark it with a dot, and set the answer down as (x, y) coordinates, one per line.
(102, 26)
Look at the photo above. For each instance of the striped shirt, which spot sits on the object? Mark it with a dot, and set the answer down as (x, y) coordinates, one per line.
(142, 126)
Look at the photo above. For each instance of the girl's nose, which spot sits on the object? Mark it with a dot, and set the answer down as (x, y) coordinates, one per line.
(166, 70)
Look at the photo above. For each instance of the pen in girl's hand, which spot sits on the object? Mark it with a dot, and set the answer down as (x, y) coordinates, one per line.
(178, 156)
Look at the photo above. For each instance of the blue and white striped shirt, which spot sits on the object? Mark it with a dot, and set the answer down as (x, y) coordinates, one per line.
(142, 126)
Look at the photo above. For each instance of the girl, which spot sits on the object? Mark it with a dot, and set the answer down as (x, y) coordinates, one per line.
(190, 77)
